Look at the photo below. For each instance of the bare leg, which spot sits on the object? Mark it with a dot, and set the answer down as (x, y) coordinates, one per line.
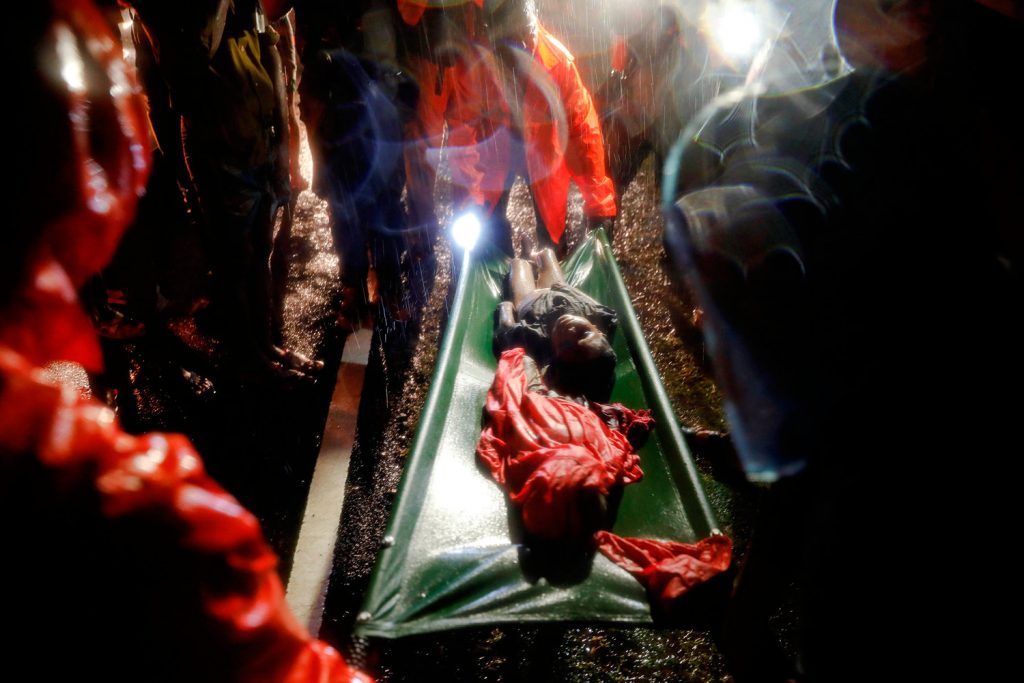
(549, 268)
(521, 280)
(506, 315)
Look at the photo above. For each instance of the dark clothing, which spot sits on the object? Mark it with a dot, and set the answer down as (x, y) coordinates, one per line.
(849, 244)
(329, 25)
(225, 94)
(359, 136)
(238, 225)
(538, 314)
(355, 103)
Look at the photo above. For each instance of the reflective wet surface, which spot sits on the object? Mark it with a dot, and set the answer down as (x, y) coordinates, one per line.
(398, 376)
(262, 442)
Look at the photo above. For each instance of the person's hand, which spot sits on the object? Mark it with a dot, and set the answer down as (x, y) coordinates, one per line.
(506, 315)
(606, 222)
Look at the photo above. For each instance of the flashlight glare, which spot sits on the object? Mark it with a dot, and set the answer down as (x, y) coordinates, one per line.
(736, 31)
(466, 230)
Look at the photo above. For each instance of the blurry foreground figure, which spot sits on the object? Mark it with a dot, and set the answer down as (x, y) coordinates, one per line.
(127, 562)
(856, 249)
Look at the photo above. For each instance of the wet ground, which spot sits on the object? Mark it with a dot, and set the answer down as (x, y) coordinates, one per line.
(261, 443)
(398, 378)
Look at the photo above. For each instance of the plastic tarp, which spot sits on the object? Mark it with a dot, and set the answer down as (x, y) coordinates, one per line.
(450, 557)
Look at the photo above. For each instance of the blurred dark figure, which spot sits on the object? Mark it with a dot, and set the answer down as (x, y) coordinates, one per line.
(159, 262)
(223, 77)
(543, 127)
(355, 102)
(160, 267)
(856, 249)
(437, 47)
(661, 78)
(129, 562)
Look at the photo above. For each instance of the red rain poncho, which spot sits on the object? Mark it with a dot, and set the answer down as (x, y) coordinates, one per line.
(552, 454)
(448, 95)
(67, 467)
(236, 619)
(560, 128)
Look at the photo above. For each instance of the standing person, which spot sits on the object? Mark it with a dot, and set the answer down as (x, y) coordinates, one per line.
(355, 101)
(438, 46)
(547, 131)
(218, 61)
(131, 563)
(833, 236)
(289, 180)
(288, 50)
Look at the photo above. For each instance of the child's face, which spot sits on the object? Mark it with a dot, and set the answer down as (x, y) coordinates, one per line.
(576, 339)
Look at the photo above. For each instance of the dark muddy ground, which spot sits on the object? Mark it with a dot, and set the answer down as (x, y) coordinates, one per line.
(259, 441)
(262, 443)
(397, 381)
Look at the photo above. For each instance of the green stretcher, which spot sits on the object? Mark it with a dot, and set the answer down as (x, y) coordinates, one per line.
(449, 560)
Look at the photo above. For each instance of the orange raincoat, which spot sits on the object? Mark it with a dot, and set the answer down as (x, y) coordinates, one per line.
(561, 134)
(446, 96)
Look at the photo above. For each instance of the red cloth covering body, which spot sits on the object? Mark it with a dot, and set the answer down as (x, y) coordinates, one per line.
(549, 452)
(552, 454)
(229, 621)
(667, 569)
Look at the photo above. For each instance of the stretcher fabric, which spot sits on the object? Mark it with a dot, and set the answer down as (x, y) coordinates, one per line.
(452, 555)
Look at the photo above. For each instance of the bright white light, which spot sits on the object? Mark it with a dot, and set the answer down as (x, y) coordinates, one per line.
(466, 230)
(72, 69)
(736, 30)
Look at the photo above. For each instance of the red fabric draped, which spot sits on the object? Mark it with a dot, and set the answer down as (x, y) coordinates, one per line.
(555, 457)
(667, 569)
(550, 453)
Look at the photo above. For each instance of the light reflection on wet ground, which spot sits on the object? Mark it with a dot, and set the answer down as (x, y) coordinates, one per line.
(401, 364)
(70, 374)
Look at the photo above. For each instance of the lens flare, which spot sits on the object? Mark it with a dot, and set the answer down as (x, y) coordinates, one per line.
(466, 230)
(736, 30)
